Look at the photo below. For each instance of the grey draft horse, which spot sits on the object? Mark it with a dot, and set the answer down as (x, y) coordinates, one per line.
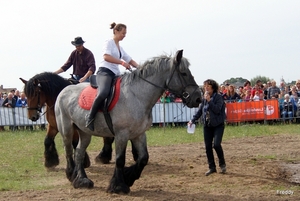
(131, 117)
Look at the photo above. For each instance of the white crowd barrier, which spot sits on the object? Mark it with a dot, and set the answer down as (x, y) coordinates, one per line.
(161, 113)
(172, 113)
(18, 117)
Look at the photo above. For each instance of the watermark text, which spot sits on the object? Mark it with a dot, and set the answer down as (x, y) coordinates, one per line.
(284, 192)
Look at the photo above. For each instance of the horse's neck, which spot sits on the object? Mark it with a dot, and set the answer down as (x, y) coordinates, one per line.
(149, 91)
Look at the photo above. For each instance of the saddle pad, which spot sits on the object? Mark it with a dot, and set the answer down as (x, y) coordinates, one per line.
(88, 94)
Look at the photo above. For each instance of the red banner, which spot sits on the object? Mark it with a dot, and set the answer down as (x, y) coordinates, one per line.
(254, 110)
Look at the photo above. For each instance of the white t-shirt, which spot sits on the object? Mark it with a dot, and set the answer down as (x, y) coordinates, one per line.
(255, 98)
(111, 48)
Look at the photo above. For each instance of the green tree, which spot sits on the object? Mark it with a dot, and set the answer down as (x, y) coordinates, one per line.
(263, 79)
(235, 80)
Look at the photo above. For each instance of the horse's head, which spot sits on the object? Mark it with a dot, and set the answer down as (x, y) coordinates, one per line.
(40, 89)
(35, 98)
(182, 82)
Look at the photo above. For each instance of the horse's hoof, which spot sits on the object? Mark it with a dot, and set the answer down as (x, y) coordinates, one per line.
(118, 190)
(83, 183)
(51, 162)
(102, 160)
(104, 157)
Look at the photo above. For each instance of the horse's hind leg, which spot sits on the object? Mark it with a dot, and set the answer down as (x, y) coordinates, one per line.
(106, 153)
(80, 178)
(87, 162)
(50, 153)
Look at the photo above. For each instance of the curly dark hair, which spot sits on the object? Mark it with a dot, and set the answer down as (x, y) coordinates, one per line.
(213, 83)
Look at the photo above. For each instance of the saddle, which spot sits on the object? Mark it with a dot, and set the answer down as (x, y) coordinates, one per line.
(88, 94)
(73, 80)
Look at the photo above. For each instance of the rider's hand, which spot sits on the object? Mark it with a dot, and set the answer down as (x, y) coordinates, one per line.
(126, 65)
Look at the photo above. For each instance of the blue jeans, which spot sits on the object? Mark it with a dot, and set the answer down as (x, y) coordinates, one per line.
(288, 114)
(212, 139)
(78, 77)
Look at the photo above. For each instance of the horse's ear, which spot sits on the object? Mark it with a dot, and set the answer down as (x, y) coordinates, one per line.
(178, 56)
(24, 81)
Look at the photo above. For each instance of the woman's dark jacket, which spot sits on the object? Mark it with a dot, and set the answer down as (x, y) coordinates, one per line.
(216, 110)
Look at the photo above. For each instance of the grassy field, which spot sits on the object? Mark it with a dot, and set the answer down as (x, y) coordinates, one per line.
(21, 159)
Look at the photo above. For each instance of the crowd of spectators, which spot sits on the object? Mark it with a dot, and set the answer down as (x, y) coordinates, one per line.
(287, 95)
(11, 100)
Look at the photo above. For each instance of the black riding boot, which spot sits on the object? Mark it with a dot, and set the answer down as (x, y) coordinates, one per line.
(104, 80)
(91, 117)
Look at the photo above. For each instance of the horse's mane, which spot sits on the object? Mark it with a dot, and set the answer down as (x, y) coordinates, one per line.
(51, 84)
(153, 66)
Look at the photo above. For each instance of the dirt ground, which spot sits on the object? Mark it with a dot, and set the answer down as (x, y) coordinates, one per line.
(258, 168)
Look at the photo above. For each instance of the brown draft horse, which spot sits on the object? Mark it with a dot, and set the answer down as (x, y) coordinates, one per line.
(43, 89)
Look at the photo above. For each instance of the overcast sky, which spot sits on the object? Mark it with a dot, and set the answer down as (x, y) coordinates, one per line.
(222, 39)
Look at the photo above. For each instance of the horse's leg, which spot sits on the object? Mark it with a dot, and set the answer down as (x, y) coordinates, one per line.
(117, 183)
(50, 153)
(69, 157)
(80, 178)
(106, 152)
(134, 151)
(67, 137)
(87, 162)
(133, 172)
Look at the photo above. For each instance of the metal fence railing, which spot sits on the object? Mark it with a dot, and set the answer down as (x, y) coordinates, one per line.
(236, 112)
(161, 113)
(18, 117)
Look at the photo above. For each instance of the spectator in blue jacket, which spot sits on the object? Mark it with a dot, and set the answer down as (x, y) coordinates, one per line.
(22, 101)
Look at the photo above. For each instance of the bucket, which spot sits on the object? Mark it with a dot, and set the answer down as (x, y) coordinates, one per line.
(191, 129)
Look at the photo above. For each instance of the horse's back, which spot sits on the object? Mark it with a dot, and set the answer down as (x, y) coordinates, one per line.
(67, 100)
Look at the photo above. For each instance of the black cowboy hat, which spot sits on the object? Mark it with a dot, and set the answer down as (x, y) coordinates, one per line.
(77, 41)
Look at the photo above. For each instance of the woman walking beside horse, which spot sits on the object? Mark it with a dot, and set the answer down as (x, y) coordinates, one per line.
(113, 56)
(212, 113)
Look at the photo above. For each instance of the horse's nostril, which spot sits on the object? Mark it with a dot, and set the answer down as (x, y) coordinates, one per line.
(198, 100)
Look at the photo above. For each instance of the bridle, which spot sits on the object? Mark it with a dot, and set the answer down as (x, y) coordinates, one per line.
(39, 107)
(71, 80)
(184, 95)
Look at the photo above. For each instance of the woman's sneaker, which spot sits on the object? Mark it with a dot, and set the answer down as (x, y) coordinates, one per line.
(210, 171)
(223, 169)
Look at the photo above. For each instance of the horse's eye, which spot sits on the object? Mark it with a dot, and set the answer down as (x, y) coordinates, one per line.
(183, 74)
